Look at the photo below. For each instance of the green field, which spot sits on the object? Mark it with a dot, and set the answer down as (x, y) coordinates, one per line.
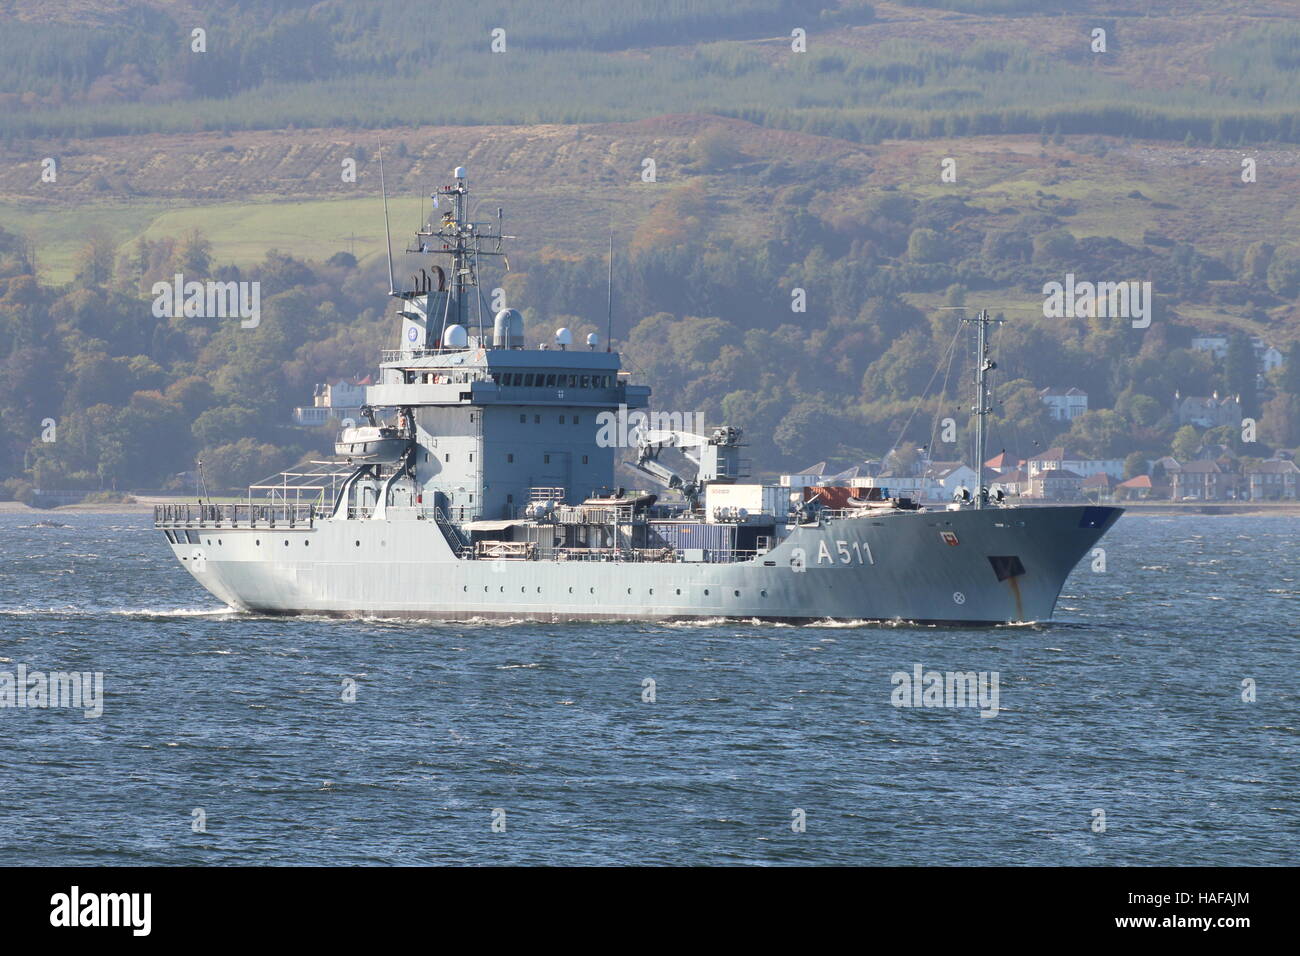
(241, 233)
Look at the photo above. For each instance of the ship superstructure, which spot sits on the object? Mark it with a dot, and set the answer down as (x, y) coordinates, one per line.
(482, 484)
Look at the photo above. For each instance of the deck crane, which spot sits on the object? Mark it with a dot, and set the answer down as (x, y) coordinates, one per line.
(716, 458)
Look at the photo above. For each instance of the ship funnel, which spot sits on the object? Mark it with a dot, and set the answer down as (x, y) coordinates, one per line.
(508, 330)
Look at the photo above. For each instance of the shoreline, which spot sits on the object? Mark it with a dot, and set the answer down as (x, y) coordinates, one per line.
(1238, 509)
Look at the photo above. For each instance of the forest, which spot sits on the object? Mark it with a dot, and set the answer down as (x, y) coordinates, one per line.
(712, 324)
(374, 65)
(821, 317)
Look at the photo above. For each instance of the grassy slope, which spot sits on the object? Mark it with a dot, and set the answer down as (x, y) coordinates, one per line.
(253, 191)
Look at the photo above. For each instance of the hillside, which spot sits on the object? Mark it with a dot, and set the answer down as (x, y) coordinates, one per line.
(775, 172)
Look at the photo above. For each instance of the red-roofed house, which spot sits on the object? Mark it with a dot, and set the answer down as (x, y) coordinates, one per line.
(1140, 488)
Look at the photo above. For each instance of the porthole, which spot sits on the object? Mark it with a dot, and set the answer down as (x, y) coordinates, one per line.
(652, 590)
(629, 590)
(258, 542)
(218, 541)
(358, 544)
(539, 590)
(286, 542)
(523, 590)
(736, 593)
(591, 590)
(209, 541)
(706, 592)
(679, 590)
(763, 592)
(503, 589)
(305, 543)
(570, 590)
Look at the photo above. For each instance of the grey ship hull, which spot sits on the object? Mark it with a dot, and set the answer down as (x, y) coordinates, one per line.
(898, 565)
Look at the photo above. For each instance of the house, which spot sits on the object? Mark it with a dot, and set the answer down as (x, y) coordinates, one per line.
(1056, 484)
(1272, 480)
(1059, 458)
(1269, 359)
(334, 402)
(1216, 345)
(1001, 462)
(1266, 355)
(1208, 412)
(1098, 487)
(1203, 481)
(812, 475)
(951, 475)
(903, 484)
(1012, 483)
(1139, 488)
(1065, 404)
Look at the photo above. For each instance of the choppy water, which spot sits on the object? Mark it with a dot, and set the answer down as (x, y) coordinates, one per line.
(1129, 703)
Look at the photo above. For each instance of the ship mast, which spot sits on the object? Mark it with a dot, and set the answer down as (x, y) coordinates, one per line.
(456, 236)
(983, 403)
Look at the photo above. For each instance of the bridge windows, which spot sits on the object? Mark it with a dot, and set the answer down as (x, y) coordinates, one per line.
(537, 419)
(523, 419)
(510, 459)
(584, 460)
(576, 419)
(546, 460)
(561, 419)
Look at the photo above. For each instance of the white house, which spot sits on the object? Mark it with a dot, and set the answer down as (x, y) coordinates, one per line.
(1065, 404)
(333, 402)
(1266, 355)
(1059, 459)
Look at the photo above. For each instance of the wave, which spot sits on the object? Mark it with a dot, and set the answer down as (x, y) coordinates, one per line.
(70, 610)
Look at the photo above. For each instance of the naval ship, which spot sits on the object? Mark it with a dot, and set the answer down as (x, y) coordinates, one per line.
(481, 485)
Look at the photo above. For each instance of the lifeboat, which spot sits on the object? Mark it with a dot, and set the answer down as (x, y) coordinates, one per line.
(372, 443)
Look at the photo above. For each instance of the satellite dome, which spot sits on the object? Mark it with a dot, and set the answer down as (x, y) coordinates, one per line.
(593, 340)
(460, 172)
(455, 338)
(563, 338)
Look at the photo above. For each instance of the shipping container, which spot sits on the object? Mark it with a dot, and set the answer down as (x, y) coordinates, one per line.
(754, 499)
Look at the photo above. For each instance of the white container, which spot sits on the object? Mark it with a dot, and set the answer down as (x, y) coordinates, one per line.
(771, 500)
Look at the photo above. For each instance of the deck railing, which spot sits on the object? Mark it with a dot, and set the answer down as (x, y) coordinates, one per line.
(235, 515)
